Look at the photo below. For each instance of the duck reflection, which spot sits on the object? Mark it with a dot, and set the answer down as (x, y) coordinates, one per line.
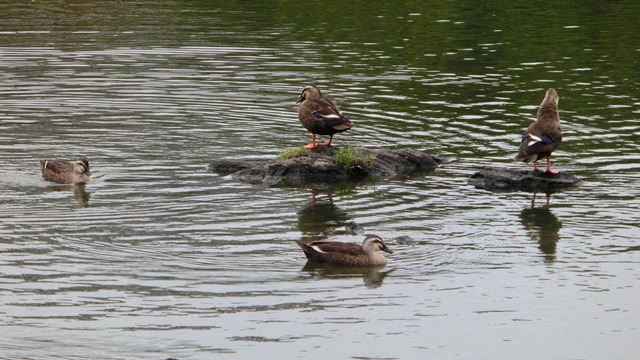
(543, 227)
(372, 276)
(320, 218)
(548, 196)
(80, 194)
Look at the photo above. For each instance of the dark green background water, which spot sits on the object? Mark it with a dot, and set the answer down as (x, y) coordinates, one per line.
(158, 258)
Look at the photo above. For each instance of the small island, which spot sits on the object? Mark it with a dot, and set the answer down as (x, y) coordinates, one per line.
(329, 164)
(504, 179)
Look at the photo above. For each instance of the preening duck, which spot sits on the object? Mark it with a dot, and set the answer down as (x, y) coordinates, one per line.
(544, 135)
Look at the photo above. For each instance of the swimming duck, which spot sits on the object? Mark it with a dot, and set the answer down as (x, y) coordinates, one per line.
(349, 254)
(66, 172)
(544, 135)
(320, 116)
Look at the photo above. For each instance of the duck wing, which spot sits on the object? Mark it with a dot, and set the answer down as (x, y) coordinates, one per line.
(328, 112)
(55, 170)
(55, 166)
(535, 144)
(349, 249)
(327, 250)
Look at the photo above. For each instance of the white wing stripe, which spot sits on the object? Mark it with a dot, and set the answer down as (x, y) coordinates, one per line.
(316, 248)
(534, 141)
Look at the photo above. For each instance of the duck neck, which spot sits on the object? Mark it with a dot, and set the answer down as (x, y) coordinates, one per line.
(376, 257)
(548, 118)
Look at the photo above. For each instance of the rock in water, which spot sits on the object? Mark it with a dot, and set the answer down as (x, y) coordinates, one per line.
(525, 180)
(320, 166)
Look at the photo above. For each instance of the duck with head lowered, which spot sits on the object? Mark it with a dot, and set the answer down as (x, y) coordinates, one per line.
(320, 116)
(348, 254)
(66, 172)
(544, 135)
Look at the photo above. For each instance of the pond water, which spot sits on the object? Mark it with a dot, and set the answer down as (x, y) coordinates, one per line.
(158, 258)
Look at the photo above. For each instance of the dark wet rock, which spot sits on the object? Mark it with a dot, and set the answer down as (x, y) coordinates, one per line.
(405, 240)
(354, 228)
(319, 166)
(228, 166)
(526, 180)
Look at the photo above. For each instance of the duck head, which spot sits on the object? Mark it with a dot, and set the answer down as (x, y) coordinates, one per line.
(550, 99)
(373, 243)
(81, 167)
(308, 92)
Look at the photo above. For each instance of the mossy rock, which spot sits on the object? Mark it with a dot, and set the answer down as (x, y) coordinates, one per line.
(320, 166)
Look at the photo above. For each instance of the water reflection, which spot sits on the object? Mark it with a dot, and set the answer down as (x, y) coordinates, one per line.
(372, 276)
(320, 217)
(547, 195)
(544, 228)
(80, 194)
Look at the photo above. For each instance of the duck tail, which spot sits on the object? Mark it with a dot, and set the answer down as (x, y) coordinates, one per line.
(308, 250)
(526, 158)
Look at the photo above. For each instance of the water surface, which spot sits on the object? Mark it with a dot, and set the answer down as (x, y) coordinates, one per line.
(158, 258)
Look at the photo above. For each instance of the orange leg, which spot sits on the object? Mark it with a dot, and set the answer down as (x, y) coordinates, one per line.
(313, 143)
(535, 166)
(549, 166)
(328, 143)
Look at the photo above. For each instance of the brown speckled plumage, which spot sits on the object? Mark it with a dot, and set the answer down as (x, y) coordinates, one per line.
(348, 254)
(66, 172)
(544, 135)
(320, 116)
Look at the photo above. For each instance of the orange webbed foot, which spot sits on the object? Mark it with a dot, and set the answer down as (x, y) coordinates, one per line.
(328, 143)
(549, 166)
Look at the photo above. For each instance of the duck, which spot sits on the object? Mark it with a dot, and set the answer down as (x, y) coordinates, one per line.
(544, 135)
(66, 172)
(320, 116)
(347, 254)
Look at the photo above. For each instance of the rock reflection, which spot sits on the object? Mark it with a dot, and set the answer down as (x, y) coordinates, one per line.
(353, 228)
(372, 276)
(544, 228)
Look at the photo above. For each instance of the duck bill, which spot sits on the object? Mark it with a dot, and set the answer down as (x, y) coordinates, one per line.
(299, 101)
(386, 249)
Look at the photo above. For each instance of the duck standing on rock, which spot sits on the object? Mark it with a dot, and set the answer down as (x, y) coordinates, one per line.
(66, 172)
(347, 254)
(544, 135)
(320, 116)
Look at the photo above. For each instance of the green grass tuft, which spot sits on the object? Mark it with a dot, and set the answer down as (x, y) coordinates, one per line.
(349, 158)
(293, 153)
